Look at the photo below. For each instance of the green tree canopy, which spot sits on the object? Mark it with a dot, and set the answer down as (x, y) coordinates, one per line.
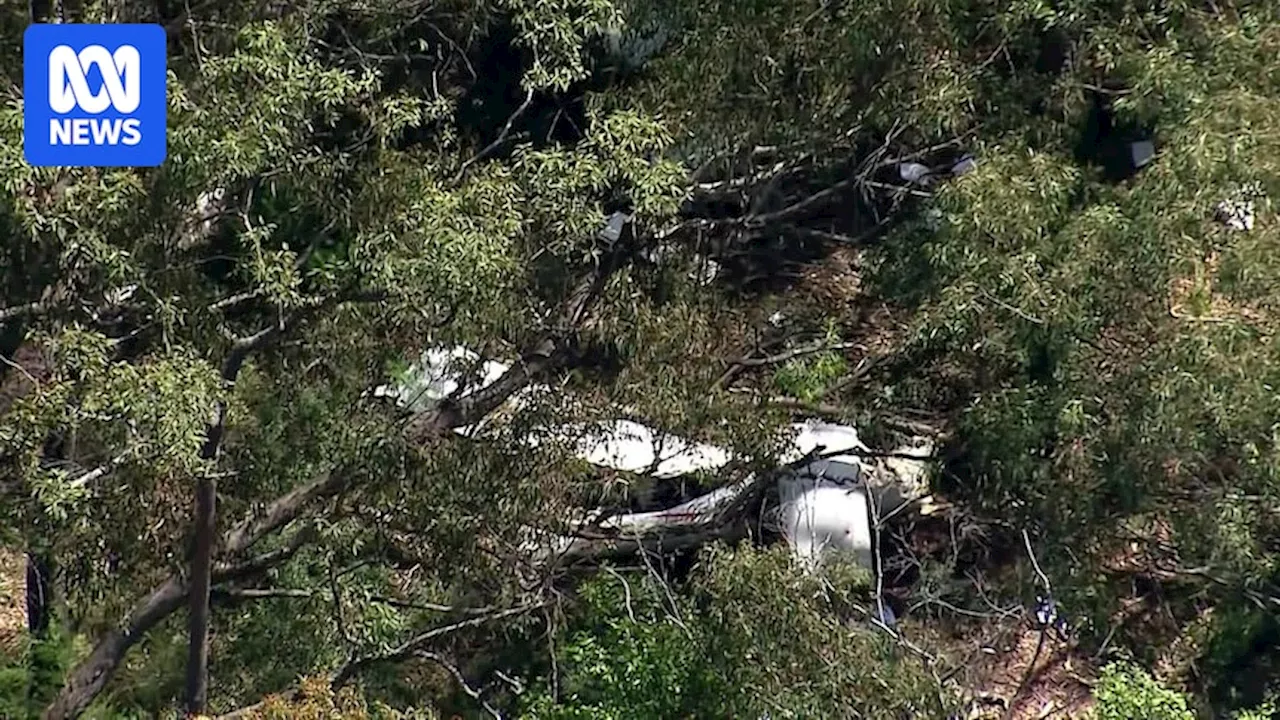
(197, 464)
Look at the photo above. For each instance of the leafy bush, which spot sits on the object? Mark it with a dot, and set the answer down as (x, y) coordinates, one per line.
(1127, 692)
(29, 679)
(752, 635)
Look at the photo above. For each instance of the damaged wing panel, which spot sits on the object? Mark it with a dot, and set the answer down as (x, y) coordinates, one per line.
(826, 506)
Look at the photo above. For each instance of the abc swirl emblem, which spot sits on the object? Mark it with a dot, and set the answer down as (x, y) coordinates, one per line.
(94, 95)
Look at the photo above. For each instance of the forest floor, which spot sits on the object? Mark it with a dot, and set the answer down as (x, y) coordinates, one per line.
(13, 604)
(1033, 680)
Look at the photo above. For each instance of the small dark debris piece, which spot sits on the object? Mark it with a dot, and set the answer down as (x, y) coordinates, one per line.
(965, 165)
(1141, 153)
(613, 227)
(1047, 616)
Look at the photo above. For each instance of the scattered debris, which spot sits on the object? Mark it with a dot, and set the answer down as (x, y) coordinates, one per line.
(613, 227)
(657, 254)
(915, 173)
(964, 166)
(705, 270)
(1141, 153)
(1239, 211)
(1235, 214)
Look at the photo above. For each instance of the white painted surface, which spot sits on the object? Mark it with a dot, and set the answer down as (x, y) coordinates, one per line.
(818, 515)
(839, 442)
(1239, 215)
(631, 447)
(821, 517)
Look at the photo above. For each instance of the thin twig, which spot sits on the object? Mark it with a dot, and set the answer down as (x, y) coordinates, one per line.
(462, 682)
(339, 617)
(794, 353)
(838, 238)
(261, 593)
(16, 366)
(412, 646)
(1044, 631)
(502, 138)
(430, 607)
(666, 589)
(1015, 310)
(1044, 579)
(626, 589)
(238, 298)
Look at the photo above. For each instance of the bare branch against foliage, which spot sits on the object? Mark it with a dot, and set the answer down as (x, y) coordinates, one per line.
(413, 647)
(740, 364)
(419, 642)
(498, 141)
(99, 472)
(235, 594)
(204, 521)
(23, 311)
(453, 670)
(87, 678)
(1044, 631)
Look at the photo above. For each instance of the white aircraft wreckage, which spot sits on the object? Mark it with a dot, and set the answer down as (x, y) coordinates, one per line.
(832, 491)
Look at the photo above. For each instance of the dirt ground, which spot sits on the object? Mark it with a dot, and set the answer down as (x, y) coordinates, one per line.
(1058, 685)
(13, 604)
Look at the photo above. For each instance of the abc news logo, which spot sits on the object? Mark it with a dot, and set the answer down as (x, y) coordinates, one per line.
(94, 95)
(69, 89)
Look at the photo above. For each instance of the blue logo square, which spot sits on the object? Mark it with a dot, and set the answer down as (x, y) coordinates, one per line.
(94, 95)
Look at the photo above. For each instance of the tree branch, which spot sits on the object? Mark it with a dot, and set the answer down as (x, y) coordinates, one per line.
(497, 143)
(87, 678)
(412, 646)
(99, 472)
(279, 513)
(27, 310)
(233, 594)
(408, 649)
(794, 353)
(462, 681)
(204, 521)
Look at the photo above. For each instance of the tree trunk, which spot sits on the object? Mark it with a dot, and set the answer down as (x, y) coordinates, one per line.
(44, 669)
(201, 574)
(88, 677)
(204, 525)
(84, 683)
(39, 589)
